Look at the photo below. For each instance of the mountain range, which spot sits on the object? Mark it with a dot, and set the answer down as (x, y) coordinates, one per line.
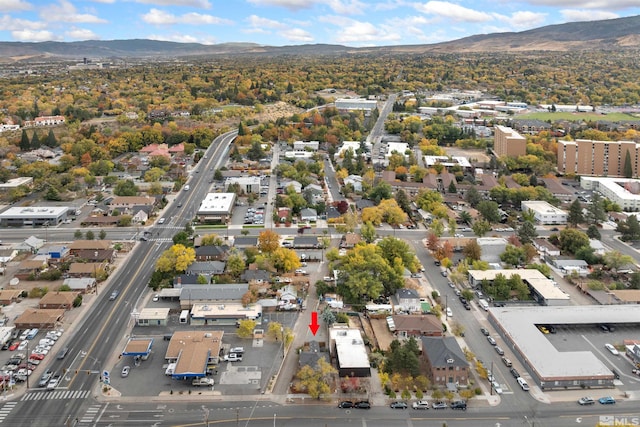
(610, 34)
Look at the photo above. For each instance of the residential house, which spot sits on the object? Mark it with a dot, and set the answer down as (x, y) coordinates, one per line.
(39, 318)
(31, 245)
(101, 256)
(349, 240)
(406, 300)
(422, 325)
(155, 150)
(85, 269)
(308, 214)
(255, 276)
(94, 245)
(546, 248)
(297, 187)
(446, 362)
(212, 253)
(313, 193)
(140, 216)
(61, 300)
(206, 268)
(9, 296)
(597, 246)
(126, 203)
(30, 267)
(305, 242)
(364, 203)
(56, 253)
(311, 356)
(568, 266)
(84, 285)
(355, 181)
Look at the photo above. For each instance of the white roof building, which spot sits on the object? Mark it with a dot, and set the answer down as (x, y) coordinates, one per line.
(17, 216)
(447, 161)
(399, 147)
(304, 145)
(623, 191)
(216, 207)
(541, 287)
(354, 145)
(544, 212)
(350, 351)
(356, 104)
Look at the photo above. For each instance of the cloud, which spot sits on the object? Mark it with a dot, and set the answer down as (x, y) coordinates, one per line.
(64, 11)
(182, 38)
(14, 5)
(33, 36)
(573, 15)
(347, 7)
(294, 5)
(351, 31)
(81, 34)
(160, 17)
(297, 35)
(259, 22)
(10, 23)
(201, 4)
(522, 20)
(452, 11)
(589, 4)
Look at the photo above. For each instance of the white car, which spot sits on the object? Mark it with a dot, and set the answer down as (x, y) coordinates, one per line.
(496, 387)
(161, 221)
(612, 349)
(53, 383)
(449, 312)
(23, 345)
(155, 298)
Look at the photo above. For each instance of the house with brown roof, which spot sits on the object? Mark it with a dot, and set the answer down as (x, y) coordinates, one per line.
(96, 255)
(85, 269)
(422, 325)
(8, 296)
(349, 240)
(192, 352)
(83, 285)
(94, 245)
(41, 318)
(100, 220)
(129, 202)
(29, 267)
(62, 300)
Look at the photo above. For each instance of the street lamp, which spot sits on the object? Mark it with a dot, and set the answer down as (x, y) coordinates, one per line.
(274, 420)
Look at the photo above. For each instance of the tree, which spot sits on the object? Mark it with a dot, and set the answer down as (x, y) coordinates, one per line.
(513, 255)
(35, 141)
(527, 232)
(452, 187)
(571, 240)
(630, 228)
(398, 251)
(575, 215)
(366, 274)
(235, 264)
(614, 260)
(593, 232)
(627, 170)
(481, 227)
(315, 380)
(51, 140)
(368, 232)
(125, 187)
(472, 250)
(403, 201)
(102, 234)
(595, 211)
(489, 210)
(176, 259)
(268, 241)
(473, 197)
(256, 152)
(89, 235)
(284, 259)
(245, 328)
(77, 234)
(25, 145)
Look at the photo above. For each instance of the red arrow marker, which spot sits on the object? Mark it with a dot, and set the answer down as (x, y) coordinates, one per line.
(314, 322)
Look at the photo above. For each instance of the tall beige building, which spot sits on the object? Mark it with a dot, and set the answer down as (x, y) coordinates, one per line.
(508, 142)
(597, 158)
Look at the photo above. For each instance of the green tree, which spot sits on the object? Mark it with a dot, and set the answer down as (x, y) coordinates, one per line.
(593, 232)
(630, 228)
(51, 140)
(489, 210)
(25, 145)
(513, 256)
(89, 235)
(575, 215)
(235, 264)
(595, 211)
(368, 232)
(481, 227)
(615, 260)
(403, 201)
(77, 234)
(527, 232)
(452, 187)
(102, 234)
(245, 328)
(35, 141)
(125, 187)
(473, 197)
(571, 239)
(256, 152)
(627, 170)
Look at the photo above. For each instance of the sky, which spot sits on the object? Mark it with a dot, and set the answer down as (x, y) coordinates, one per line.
(355, 23)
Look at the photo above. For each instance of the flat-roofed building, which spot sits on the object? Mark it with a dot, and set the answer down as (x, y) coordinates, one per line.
(223, 314)
(36, 216)
(544, 212)
(306, 145)
(347, 345)
(192, 352)
(508, 142)
(216, 207)
(542, 289)
(356, 104)
(625, 192)
(598, 158)
(15, 183)
(153, 316)
(248, 184)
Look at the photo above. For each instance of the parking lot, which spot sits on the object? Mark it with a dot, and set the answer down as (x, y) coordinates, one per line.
(261, 361)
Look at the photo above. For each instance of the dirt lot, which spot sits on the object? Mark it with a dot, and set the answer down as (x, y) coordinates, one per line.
(479, 155)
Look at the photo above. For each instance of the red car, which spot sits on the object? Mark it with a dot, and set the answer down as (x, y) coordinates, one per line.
(36, 357)
(14, 346)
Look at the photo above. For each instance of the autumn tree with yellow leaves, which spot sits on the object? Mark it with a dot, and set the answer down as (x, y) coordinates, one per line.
(176, 259)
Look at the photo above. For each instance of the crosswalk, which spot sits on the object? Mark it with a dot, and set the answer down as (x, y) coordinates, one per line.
(6, 409)
(57, 395)
(90, 415)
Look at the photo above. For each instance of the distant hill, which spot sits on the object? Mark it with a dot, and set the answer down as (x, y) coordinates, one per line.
(621, 33)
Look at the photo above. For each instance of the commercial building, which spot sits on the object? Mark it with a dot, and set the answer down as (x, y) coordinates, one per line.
(15, 183)
(446, 362)
(192, 352)
(625, 192)
(447, 161)
(347, 346)
(223, 314)
(248, 184)
(549, 367)
(356, 104)
(36, 216)
(508, 142)
(542, 289)
(153, 316)
(216, 207)
(306, 145)
(544, 212)
(598, 158)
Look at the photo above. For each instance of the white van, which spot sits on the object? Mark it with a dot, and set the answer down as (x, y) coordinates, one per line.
(484, 304)
(187, 187)
(184, 316)
(523, 383)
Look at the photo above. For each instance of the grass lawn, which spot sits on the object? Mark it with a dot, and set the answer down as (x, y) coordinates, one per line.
(575, 117)
(205, 227)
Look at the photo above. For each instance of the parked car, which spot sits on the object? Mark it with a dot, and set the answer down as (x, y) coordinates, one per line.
(586, 401)
(523, 383)
(514, 372)
(237, 350)
(499, 350)
(496, 387)
(398, 405)
(345, 405)
(608, 400)
(420, 404)
(491, 341)
(459, 404)
(233, 357)
(439, 405)
(202, 381)
(362, 405)
(484, 331)
(125, 371)
(14, 346)
(155, 298)
(612, 349)
(507, 362)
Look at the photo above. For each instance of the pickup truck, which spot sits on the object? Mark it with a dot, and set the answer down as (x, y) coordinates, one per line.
(202, 381)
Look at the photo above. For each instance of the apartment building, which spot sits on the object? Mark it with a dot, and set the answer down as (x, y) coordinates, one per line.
(508, 142)
(597, 158)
